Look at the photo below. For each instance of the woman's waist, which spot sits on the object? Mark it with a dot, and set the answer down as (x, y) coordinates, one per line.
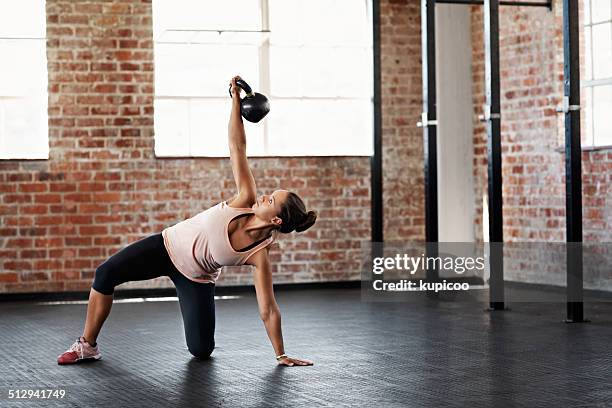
(185, 260)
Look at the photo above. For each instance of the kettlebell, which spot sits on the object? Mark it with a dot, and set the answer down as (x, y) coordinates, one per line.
(254, 106)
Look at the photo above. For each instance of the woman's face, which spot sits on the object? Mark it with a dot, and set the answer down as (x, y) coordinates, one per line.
(268, 206)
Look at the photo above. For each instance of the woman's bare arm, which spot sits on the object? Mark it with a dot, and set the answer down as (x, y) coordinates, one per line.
(245, 182)
(266, 302)
(268, 308)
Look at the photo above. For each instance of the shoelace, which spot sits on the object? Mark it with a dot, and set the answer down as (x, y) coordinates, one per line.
(78, 347)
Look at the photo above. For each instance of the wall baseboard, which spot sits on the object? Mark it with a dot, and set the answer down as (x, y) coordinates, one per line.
(589, 294)
(163, 292)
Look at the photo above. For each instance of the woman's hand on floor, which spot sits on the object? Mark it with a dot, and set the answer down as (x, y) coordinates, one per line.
(288, 361)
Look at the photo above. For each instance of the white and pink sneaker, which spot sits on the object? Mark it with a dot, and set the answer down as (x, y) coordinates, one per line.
(79, 351)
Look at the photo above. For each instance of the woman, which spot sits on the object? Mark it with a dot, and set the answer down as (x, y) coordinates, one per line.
(192, 251)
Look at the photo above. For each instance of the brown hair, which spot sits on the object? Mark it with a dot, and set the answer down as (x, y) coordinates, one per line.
(294, 215)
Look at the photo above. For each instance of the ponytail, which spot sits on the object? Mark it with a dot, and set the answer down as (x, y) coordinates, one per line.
(309, 220)
(294, 215)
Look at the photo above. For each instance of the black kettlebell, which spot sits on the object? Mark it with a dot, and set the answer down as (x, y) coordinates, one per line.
(254, 106)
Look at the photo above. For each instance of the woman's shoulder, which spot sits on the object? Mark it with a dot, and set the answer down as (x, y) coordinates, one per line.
(239, 203)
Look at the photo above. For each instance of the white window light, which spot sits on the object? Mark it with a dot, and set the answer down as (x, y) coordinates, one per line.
(597, 83)
(313, 59)
(23, 80)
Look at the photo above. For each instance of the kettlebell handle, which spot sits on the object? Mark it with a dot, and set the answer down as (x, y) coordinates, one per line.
(245, 87)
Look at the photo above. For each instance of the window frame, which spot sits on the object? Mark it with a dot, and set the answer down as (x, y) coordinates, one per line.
(265, 88)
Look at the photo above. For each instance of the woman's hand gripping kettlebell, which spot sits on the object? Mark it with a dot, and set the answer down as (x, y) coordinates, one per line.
(235, 90)
(254, 106)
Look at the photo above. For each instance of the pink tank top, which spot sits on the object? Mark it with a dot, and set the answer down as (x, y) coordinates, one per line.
(199, 246)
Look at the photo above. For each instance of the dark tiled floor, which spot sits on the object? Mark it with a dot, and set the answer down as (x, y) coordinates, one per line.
(424, 353)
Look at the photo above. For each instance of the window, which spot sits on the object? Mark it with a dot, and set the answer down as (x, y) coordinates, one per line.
(597, 82)
(23, 80)
(313, 59)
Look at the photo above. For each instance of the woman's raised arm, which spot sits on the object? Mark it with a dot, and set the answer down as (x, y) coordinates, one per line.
(245, 183)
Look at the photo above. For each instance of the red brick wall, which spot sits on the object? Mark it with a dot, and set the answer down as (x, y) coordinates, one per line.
(531, 85)
(404, 216)
(102, 187)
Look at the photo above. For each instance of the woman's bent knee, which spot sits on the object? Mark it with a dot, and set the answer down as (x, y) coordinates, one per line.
(202, 351)
(103, 279)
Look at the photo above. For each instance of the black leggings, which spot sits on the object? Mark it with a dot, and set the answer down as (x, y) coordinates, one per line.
(148, 259)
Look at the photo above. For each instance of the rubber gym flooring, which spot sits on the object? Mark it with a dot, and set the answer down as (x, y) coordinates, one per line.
(424, 353)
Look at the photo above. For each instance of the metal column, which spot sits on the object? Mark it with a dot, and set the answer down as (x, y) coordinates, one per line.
(547, 4)
(429, 123)
(492, 117)
(573, 181)
(376, 171)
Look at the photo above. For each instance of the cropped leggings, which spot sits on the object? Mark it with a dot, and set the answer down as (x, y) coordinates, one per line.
(148, 259)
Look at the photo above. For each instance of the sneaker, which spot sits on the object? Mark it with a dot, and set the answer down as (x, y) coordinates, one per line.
(79, 351)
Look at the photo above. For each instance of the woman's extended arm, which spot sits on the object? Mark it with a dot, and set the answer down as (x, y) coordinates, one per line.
(245, 183)
(268, 309)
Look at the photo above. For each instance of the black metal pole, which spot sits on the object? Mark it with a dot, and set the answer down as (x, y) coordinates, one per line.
(376, 170)
(573, 180)
(547, 4)
(492, 117)
(429, 125)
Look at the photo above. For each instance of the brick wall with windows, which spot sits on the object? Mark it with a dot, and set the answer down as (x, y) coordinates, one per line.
(102, 187)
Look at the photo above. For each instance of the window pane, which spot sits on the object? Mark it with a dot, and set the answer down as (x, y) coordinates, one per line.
(346, 72)
(355, 76)
(203, 70)
(209, 120)
(322, 127)
(602, 50)
(23, 67)
(588, 119)
(338, 22)
(286, 74)
(587, 11)
(600, 10)
(320, 22)
(171, 127)
(205, 15)
(602, 106)
(588, 67)
(320, 67)
(23, 18)
(286, 23)
(23, 128)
